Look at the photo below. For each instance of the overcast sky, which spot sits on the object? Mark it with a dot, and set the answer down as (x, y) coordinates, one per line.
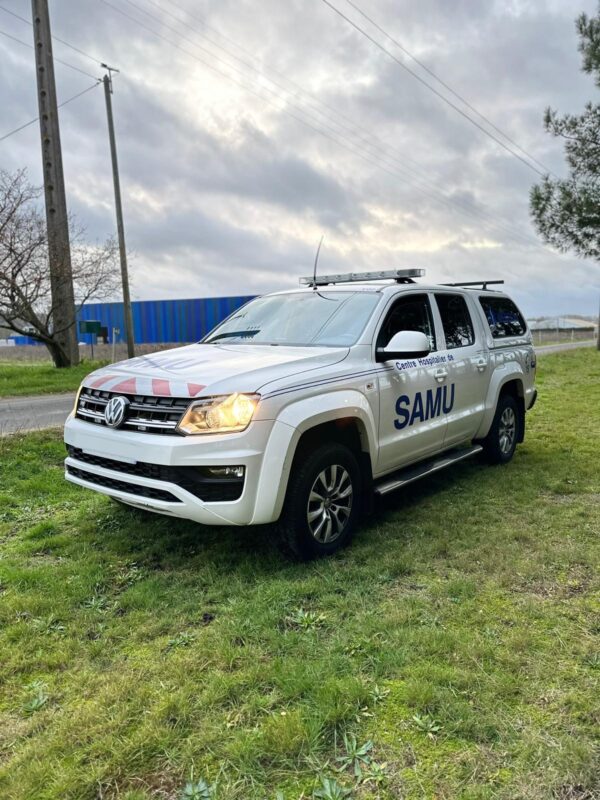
(230, 175)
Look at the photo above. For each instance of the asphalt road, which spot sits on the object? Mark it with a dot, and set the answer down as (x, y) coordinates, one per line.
(20, 414)
(556, 348)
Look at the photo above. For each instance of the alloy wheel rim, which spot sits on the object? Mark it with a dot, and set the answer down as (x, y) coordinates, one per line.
(507, 430)
(329, 504)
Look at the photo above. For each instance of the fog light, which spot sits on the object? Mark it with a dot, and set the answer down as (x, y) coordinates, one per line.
(225, 472)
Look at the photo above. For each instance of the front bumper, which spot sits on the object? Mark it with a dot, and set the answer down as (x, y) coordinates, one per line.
(131, 484)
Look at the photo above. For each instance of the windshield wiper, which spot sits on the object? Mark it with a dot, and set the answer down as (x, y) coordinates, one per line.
(231, 334)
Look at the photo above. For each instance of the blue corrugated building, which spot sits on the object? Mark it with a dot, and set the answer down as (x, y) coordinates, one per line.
(159, 321)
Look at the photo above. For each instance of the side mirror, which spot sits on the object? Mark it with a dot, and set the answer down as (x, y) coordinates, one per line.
(404, 344)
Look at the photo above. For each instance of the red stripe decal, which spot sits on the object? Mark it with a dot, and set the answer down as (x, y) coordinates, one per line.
(127, 386)
(162, 388)
(195, 388)
(101, 381)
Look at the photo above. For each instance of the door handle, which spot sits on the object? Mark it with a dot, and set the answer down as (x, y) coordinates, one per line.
(481, 364)
(440, 374)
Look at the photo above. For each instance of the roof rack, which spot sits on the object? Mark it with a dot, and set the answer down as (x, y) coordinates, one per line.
(482, 284)
(398, 275)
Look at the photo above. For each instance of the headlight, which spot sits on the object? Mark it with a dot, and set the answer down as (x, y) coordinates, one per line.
(74, 409)
(219, 414)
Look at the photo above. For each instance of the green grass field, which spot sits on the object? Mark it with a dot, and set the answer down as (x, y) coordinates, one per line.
(23, 378)
(452, 652)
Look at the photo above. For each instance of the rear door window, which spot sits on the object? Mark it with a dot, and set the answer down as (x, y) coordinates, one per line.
(503, 317)
(457, 322)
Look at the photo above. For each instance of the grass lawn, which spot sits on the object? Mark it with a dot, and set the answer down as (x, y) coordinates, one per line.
(23, 378)
(452, 652)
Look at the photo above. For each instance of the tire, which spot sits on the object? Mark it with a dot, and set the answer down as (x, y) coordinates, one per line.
(311, 524)
(500, 443)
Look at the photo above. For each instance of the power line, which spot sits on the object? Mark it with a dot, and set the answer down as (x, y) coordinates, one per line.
(315, 101)
(58, 60)
(438, 197)
(56, 38)
(432, 88)
(334, 114)
(383, 148)
(60, 105)
(446, 85)
(352, 149)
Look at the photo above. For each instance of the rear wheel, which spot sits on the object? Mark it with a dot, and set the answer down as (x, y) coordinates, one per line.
(322, 502)
(500, 443)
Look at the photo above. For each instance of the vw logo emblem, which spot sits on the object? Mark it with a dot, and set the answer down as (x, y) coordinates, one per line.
(114, 413)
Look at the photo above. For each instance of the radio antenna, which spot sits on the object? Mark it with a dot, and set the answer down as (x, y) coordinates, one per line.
(316, 262)
(314, 280)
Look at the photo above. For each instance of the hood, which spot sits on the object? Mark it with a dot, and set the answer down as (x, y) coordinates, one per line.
(210, 369)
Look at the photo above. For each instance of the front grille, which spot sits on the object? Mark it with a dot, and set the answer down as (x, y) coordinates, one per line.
(145, 413)
(123, 486)
(193, 479)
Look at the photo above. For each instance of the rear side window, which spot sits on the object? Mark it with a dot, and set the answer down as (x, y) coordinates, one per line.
(458, 326)
(503, 317)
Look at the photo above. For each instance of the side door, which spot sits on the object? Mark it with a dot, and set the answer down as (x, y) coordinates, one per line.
(468, 366)
(411, 420)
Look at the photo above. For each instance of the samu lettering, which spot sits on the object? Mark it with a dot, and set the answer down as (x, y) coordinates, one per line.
(440, 401)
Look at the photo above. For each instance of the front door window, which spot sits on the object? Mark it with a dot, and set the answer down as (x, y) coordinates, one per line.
(412, 313)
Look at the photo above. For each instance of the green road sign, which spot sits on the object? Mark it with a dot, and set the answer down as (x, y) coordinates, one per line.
(90, 326)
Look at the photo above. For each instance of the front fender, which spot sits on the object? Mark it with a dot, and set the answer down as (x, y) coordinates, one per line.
(294, 420)
(503, 374)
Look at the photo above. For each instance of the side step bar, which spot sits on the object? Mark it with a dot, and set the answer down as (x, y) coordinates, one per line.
(405, 476)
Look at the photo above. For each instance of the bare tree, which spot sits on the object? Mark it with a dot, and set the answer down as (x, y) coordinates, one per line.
(25, 296)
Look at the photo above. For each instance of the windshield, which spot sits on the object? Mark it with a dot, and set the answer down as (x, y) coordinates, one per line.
(333, 319)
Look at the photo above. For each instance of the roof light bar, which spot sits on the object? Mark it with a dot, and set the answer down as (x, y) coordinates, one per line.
(400, 275)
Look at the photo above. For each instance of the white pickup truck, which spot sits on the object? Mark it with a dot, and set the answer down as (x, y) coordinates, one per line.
(302, 405)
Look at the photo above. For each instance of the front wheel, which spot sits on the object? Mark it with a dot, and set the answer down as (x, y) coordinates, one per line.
(500, 443)
(322, 504)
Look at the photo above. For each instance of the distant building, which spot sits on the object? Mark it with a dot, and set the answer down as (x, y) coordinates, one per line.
(158, 321)
(561, 323)
(545, 329)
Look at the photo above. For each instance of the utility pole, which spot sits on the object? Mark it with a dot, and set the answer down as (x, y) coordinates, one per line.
(119, 210)
(59, 250)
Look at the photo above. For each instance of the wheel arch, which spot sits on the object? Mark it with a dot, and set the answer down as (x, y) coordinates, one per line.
(516, 388)
(349, 431)
(504, 381)
(344, 417)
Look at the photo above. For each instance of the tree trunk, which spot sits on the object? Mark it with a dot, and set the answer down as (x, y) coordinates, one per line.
(59, 356)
